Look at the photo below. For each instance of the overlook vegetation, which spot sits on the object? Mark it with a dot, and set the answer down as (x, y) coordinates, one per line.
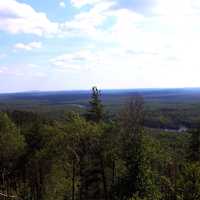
(164, 108)
(92, 155)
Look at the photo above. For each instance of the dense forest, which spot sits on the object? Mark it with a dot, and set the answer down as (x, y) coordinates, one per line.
(164, 108)
(91, 156)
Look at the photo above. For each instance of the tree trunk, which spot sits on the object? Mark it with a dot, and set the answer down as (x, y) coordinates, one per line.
(104, 178)
(73, 180)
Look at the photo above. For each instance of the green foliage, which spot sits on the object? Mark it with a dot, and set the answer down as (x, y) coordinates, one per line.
(12, 146)
(80, 159)
(11, 141)
(189, 182)
(194, 148)
(136, 197)
(95, 112)
(138, 177)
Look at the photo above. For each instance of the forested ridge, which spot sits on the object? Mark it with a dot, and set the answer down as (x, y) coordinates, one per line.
(95, 157)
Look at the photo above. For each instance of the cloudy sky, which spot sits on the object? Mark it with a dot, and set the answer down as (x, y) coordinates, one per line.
(75, 44)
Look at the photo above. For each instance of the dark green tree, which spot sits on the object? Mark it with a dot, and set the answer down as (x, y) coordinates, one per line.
(189, 182)
(194, 146)
(82, 149)
(137, 179)
(12, 146)
(95, 111)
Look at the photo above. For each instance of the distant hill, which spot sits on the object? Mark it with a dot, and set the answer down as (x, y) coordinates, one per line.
(166, 108)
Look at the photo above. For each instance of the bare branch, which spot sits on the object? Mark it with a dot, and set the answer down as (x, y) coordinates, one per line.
(8, 196)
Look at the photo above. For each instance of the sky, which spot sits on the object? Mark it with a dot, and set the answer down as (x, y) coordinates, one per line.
(76, 44)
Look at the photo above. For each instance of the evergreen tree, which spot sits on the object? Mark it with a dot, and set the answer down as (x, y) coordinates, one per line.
(137, 179)
(95, 111)
(12, 146)
(189, 183)
(194, 146)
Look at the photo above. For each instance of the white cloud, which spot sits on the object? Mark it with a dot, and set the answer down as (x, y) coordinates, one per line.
(80, 3)
(138, 50)
(76, 61)
(6, 71)
(18, 17)
(173, 7)
(62, 4)
(26, 70)
(148, 42)
(2, 55)
(33, 66)
(28, 46)
(88, 23)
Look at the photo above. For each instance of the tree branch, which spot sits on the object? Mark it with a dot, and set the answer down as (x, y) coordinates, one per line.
(7, 196)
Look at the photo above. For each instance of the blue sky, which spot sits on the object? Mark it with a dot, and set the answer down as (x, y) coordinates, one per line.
(75, 44)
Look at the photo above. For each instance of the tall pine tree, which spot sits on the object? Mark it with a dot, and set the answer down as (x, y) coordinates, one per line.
(137, 179)
(95, 111)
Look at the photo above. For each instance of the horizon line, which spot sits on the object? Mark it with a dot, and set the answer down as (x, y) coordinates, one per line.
(102, 89)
